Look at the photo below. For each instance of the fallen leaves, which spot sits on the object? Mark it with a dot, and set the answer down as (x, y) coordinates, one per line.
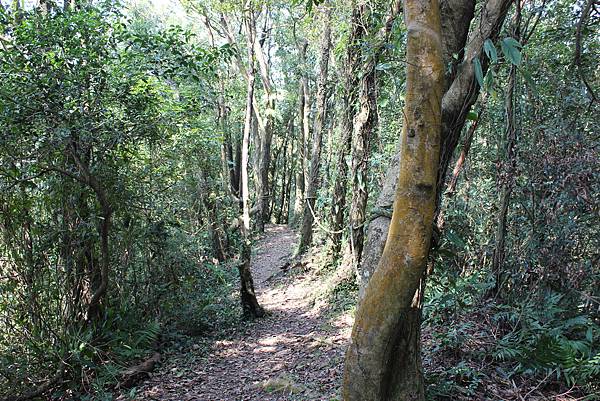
(295, 353)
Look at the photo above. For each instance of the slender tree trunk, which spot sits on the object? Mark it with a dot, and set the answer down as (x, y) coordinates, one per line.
(350, 100)
(100, 286)
(237, 176)
(364, 124)
(306, 231)
(358, 122)
(212, 216)
(250, 305)
(285, 166)
(383, 361)
(303, 109)
(507, 170)
(263, 188)
(462, 158)
(227, 147)
(290, 177)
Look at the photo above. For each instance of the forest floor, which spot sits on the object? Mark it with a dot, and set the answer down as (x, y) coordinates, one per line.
(294, 353)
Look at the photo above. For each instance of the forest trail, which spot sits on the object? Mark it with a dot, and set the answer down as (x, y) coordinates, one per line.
(295, 353)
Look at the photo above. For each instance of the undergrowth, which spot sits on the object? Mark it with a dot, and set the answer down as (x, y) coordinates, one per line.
(480, 347)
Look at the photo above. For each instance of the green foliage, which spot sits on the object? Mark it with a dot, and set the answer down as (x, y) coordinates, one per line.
(510, 48)
(460, 380)
(490, 50)
(88, 105)
(478, 71)
(549, 337)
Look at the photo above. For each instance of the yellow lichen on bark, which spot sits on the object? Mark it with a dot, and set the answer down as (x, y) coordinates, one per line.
(374, 369)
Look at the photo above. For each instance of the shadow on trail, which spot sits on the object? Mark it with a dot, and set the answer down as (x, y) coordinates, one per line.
(294, 353)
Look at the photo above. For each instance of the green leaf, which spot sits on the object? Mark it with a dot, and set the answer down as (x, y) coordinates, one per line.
(513, 42)
(489, 80)
(472, 116)
(478, 71)
(490, 50)
(510, 48)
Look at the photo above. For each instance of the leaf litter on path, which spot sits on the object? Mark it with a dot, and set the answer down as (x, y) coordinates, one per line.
(295, 353)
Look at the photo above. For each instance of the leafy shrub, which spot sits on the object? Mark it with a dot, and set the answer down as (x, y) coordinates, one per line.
(549, 338)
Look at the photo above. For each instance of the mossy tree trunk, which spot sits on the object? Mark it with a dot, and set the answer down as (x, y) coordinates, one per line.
(383, 361)
(461, 92)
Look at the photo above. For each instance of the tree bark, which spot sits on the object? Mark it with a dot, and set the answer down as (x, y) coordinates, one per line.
(507, 169)
(303, 110)
(250, 305)
(350, 100)
(306, 231)
(364, 124)
(383, 361)
(359, 119)
(458, 98)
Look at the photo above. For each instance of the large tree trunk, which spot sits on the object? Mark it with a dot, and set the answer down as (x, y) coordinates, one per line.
(383, 361)
(458, 98)
(306, 231)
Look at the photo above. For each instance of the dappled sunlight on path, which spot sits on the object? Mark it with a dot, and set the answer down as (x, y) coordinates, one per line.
(295, 353)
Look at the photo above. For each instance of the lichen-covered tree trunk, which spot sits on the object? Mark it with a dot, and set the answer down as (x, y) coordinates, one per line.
(306, 231)
(461, 92)
(383, 361)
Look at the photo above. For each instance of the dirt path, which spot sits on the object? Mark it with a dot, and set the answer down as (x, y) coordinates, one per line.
(295, 353)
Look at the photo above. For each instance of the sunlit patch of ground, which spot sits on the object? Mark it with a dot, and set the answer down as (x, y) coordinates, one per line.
(295, 353)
